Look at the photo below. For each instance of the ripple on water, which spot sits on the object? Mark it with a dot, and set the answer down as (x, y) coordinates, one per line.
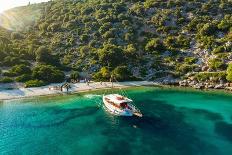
(92, 96)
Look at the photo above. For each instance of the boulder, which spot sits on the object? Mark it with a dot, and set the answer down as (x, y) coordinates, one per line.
(204, 68)
(219, 86)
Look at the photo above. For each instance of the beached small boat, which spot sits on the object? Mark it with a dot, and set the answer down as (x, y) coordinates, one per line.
(120, 105)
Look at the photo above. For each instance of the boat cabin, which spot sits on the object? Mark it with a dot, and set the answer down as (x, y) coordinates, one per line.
(118, 101)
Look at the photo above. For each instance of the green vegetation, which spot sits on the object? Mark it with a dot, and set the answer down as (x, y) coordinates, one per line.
(75, 75)
(34, 83)
(229, 73)
(217, 64)
(6, 80)
(47, 73)
(103, 75)
(105, 37)
(213, 76)
(122, 73)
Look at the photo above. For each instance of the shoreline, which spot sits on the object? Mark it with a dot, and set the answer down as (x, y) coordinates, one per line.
(22, 93)
(25, 93)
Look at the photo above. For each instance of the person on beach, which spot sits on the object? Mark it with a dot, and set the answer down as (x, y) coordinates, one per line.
(61, 88)
(111, 80)
(67, 87)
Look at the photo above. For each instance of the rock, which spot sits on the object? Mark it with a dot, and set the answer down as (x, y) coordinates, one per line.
(198, 86)
(192, 78)
(204, 68)
(183, 83)
(229, 88)
(210, 86)
(197, 69)
(219, 86)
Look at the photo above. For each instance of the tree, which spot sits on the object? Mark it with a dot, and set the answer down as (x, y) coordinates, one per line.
(21, 69)
(16, 35)
(225, 23)
(111, 55)
(43, 55)
(229, 73)
(217, 64)
(43, 26)
(75, 75)
(219, 49)
(207, 29)
(84, 38)
(102, 75)
(154, 44)
(48, 73)
(34, 83)
(121, 73)
(130, 51)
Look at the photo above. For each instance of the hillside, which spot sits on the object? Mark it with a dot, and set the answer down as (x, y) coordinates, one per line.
(148, 39)
(21, 18)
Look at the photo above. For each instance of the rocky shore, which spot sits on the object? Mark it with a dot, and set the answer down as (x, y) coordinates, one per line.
(205, 85)
(191, 82)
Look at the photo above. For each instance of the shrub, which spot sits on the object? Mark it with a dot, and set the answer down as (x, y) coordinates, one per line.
(102, 75)
(43, 55)
(21, 69)
(48, 73)
(229, 73)
(16, 35)
(111, 55)
(219, 49)
(121, 73)
(34, 83)
(154, 45)
(216, 64)
(184, 68)
(9, 74)
(18, 70)
(190, 60)
(215, 76)
(6, 80)
(207, 29)
(23, 78)
(75, 75)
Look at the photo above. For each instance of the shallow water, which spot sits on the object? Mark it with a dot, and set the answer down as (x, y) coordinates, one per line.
(181, 122)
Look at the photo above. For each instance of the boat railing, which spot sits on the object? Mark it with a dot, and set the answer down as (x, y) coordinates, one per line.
(135, 109)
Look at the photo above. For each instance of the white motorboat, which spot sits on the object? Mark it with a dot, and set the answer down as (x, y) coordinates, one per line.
(120, 105)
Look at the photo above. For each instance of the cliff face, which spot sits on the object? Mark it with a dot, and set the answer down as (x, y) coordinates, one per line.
(153, 39)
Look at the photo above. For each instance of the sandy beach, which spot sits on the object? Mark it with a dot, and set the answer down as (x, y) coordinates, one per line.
(77, 87)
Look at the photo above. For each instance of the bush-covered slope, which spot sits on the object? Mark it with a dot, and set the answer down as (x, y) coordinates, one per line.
(146, 38)
(21, 18)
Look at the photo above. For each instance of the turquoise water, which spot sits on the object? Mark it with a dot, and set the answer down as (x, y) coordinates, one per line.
(175, 122)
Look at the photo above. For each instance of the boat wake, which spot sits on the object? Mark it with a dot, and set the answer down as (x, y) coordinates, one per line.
(91, 96)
